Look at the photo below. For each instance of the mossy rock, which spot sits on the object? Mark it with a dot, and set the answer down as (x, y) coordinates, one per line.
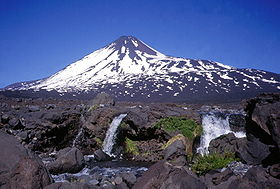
(173, 139)
(187, 127)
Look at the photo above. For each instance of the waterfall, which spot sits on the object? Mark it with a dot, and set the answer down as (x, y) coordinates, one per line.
(214, 125)
(110, 138)
(77, 137)
(82, 119)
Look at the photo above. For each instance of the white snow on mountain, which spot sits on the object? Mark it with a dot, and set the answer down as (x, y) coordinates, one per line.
(130, 64)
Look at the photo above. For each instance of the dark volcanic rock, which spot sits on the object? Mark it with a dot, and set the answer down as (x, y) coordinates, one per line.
(177, 148)
(164, 175)
(16, 123)
(99, 155)
(237, 122)
(264, 118)
(19, 168)
(254, 151)
(68, 160)
(255, 178)
(226, 143)
(274, 170)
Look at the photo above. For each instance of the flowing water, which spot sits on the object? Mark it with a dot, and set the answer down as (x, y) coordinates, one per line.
(214, 125)
(111, 135)
(104, 170)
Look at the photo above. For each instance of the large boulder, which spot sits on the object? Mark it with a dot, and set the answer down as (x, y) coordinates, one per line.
(226, 143)
(69, 160)
(253, 152)
(164, 175)
(264, 118)
(20, 168)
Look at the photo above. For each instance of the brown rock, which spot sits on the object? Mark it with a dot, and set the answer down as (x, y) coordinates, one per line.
(20, 168)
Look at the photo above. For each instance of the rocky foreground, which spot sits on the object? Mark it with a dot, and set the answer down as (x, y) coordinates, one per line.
(43, 138)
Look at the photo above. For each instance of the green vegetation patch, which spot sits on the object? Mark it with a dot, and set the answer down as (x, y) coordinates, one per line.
(204, 164)
(187, 127)
(131, 147)
(98, 141)
(92, 108)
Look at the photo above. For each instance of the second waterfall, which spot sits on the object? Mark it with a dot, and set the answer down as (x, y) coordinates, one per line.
(111, 135)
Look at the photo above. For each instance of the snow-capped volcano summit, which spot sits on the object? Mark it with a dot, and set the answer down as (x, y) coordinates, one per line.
(131, 70)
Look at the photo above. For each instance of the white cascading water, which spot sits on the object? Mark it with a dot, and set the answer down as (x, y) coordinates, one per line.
(110, 138)
(213, 127)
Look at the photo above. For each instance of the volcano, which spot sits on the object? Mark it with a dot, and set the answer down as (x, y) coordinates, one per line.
(130, 70)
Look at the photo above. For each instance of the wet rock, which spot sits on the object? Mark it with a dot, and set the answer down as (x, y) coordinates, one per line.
(69, 160)
(20, 168)
(238, 168)
(33, 108)
(99, 155)
(237, 122)
(66, 185)
(226, 143)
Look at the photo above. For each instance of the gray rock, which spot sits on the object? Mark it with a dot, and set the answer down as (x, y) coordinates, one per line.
(177, 147)
(20, 168)
(165, 176)
(118, 180)
(5, 118)
(255, 178)
(122, 185)
(253, 152)
(33, 108)
(226, 143)
(16, 123)
(99, 155)
(23, 135)
(129, 178)
(69, 160)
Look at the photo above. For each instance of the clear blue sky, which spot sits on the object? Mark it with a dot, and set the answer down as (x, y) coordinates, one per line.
(40, 37)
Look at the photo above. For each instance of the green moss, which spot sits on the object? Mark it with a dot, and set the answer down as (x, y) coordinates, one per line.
(204, 164)
(98, 141)
(92, 108)
(187, 127)
(124, 125)
(131, 147)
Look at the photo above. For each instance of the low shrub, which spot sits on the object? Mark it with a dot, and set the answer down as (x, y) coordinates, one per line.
(203, 164)
(131, 147)
(187, 127)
